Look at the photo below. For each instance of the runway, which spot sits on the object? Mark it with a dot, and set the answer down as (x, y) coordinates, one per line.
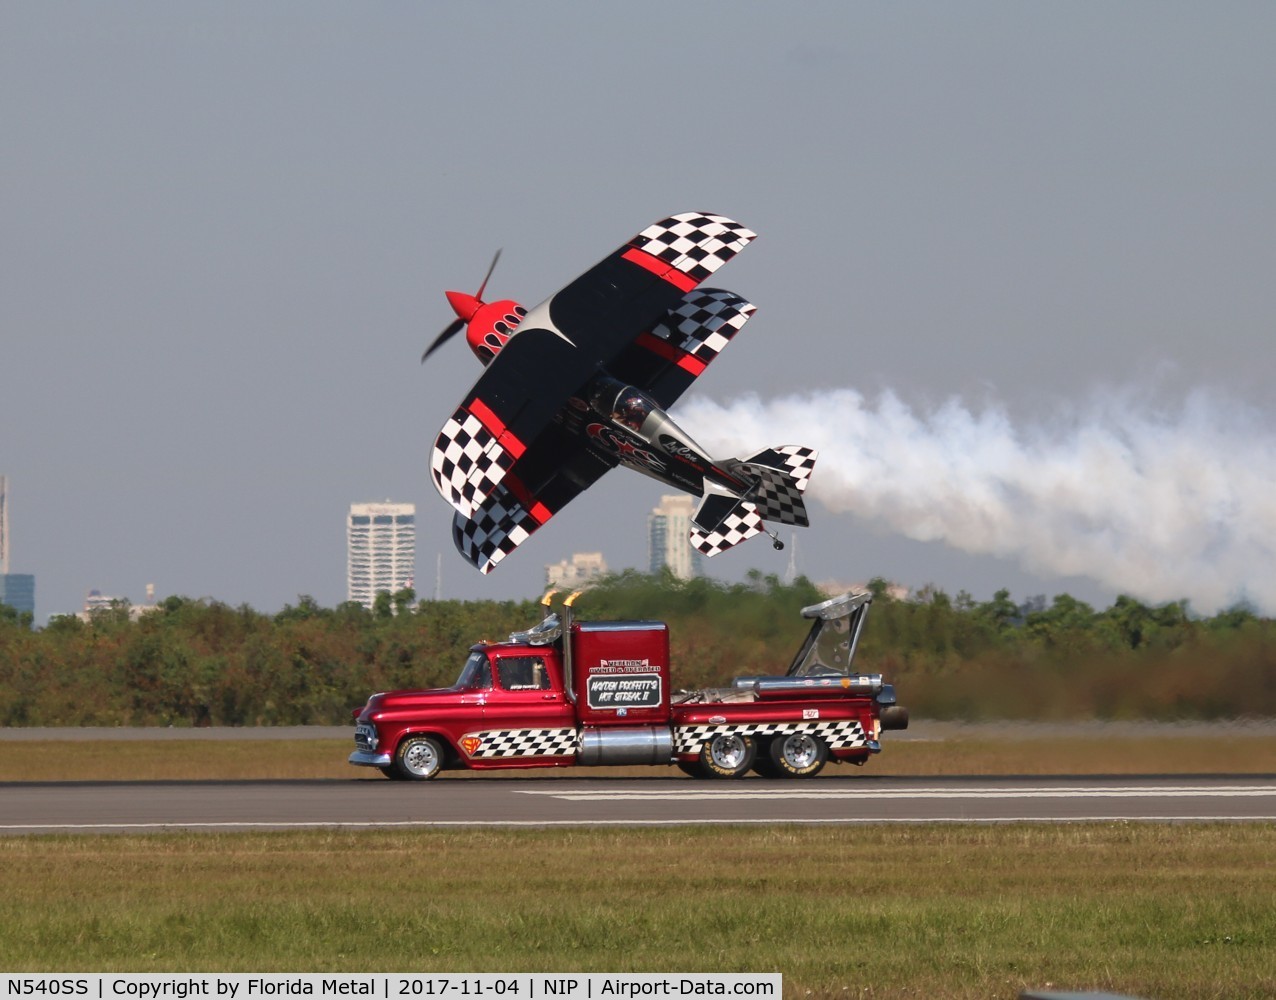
(513, 801)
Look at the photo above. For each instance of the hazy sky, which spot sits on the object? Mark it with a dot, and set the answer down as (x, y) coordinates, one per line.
(1035, 243)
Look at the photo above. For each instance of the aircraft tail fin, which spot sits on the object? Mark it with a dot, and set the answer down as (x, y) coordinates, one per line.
(782, 474)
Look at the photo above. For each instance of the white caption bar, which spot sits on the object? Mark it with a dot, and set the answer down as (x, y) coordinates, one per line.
(390, 986)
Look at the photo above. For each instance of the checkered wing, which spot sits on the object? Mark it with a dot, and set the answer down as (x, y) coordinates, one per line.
(665, 360)
(705, 323)
(783, 474)
(468, 462)
(695, 243)
(552, 473)
(499, 525)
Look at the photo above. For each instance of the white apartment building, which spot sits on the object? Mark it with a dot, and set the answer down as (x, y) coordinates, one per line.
(380, 549)
(668, 543)
(577, 572)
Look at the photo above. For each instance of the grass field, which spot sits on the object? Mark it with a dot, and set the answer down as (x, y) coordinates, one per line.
(151, 760)
(947, 911)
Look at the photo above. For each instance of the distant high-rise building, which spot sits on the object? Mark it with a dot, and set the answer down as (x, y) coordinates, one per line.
(4, 525)
(380, 550)
(17, 590)
(577, 572)
(668, 543)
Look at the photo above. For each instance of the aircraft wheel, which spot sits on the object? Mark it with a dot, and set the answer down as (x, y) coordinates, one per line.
(798, 755)
(419, 758)
(727, 755)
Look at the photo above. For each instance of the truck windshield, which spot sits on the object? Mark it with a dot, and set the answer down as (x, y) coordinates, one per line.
(477, 672)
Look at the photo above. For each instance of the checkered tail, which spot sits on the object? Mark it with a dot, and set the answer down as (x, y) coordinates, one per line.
(722, 522)
(783, 474)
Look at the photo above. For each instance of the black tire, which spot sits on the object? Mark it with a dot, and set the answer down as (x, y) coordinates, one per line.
(727, 755)
(798, 755)
(418, 758)
(690, 769)
(764, 766)
(390, 772)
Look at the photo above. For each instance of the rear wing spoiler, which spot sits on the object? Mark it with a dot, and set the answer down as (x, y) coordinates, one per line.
(830, 646)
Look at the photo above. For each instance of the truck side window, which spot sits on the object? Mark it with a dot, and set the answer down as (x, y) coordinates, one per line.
(522, 673)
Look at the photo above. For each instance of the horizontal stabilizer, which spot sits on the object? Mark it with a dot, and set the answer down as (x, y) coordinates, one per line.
(721, 522)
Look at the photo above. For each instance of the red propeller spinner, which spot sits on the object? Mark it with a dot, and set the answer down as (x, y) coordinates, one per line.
(488, 324)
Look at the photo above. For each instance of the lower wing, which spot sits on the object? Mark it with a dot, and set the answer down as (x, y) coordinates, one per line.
(553, 474)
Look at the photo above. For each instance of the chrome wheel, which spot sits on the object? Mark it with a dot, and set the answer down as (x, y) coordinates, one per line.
(727, 751)
(798, 755)
(800, 751)
(727, 755)
(418, 758)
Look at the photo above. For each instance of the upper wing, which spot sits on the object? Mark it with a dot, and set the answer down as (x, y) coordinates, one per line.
(667, 359)
(551, 475)
(565, 340)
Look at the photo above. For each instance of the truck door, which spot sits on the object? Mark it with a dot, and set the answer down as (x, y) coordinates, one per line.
(527, 696)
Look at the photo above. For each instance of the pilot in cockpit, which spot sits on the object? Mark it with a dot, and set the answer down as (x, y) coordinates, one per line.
(631, 409)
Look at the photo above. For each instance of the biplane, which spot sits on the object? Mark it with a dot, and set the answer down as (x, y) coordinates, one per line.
(582, 382)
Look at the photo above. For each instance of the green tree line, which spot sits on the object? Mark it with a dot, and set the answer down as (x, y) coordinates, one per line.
(201, 662)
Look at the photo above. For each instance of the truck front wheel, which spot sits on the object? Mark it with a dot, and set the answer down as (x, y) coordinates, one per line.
(418, 758)
(798, 755)
(727, 755)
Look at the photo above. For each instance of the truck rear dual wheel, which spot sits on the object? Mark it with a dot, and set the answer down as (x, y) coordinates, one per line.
(727, 755)
(797, 755)
(418, 758)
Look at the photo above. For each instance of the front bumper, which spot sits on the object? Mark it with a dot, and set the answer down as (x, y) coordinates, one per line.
(370, 758)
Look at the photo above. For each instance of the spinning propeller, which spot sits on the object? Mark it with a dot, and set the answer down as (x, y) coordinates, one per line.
(465, 306)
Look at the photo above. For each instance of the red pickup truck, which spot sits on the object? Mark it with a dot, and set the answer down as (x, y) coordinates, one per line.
(578, 693)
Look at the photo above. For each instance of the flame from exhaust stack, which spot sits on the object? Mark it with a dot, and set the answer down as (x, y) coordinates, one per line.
(1158, 505)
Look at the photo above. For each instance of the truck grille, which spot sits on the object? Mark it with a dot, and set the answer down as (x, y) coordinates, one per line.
(365, 737)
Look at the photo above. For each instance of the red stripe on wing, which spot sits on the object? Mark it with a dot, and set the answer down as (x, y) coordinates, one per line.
(496, 427)
(666, 350)
(660, 268)
(537, 510)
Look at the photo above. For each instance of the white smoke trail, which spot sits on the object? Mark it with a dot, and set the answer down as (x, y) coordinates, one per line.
(1158, 505)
